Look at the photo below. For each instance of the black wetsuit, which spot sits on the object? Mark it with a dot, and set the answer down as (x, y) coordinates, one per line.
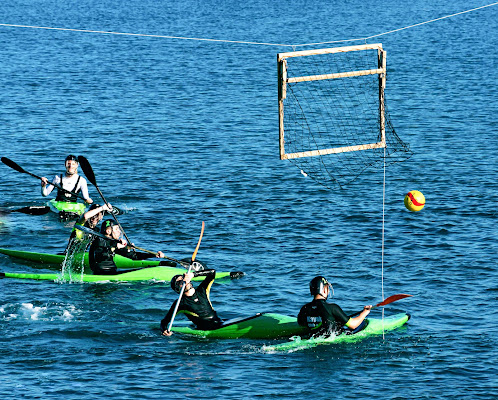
(102, 252)
(197, 307)
(101, 256)
(322, 318)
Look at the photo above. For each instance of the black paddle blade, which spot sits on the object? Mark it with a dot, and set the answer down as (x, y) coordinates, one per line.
(87, 170)
(9, 163)
(33, 210)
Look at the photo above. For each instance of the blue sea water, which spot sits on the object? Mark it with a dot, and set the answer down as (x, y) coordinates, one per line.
(181, 131)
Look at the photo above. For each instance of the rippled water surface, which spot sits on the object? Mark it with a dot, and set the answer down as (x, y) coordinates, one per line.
(179, 132)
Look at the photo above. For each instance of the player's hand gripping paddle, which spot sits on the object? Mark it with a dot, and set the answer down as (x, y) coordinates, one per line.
(389, 300)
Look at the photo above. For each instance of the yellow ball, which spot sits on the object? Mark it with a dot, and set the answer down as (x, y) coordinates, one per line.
(414, 200)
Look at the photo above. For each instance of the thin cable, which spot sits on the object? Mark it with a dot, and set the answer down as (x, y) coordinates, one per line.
(294, 46)
(143, 35)
(383, 224)
(400, 29)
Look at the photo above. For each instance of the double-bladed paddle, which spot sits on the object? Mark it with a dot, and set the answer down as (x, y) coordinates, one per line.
(100, 235)
(183, 284)
(9, 163)
(389, 300)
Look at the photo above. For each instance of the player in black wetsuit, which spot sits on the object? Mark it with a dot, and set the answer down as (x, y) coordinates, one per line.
(194, 303)
(102, 251)
(90, 219)
(324, 318)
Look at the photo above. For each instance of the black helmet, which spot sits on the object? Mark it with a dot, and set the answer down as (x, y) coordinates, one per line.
(94, 206)
(176, 284)
(71, 157)
(317, 285)
(106, 224)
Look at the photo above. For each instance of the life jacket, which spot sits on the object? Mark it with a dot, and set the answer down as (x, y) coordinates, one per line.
(65, 196)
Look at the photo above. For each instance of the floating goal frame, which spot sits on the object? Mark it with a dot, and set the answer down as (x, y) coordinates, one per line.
(283, 80)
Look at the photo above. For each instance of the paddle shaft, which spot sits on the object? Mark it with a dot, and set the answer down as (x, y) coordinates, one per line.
(389, 300)
(183, 285)
(114, 216)
(88, 171)
(18, 168)
(130, 245)
(183, 263)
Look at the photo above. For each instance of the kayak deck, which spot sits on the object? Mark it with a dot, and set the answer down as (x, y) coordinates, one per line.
(67, 206)
(258, 326)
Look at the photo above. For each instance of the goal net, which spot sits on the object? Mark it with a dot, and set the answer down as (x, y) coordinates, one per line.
(333, 121)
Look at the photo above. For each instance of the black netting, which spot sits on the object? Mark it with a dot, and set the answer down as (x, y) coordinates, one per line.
(332, 113)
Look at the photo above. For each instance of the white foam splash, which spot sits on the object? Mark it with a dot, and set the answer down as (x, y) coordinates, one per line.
(28, 311)
(32, 312)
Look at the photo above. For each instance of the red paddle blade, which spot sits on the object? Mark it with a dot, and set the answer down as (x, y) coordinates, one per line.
(392, 299)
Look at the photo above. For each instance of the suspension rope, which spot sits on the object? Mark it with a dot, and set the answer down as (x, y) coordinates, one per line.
(294, 46)
(143, 35)
(400, 29)
(383, 236)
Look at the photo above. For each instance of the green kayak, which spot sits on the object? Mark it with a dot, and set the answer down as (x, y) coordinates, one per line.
(375, 326)
(73, 209)
(162, 271)
(259, 326)
(57, 259)
(143, 274)
(276, 326)
(67, 206)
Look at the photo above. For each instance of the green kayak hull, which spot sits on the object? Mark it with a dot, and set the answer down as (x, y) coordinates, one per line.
(144, 274)
(259, 326)
(159, 273)
(56, 206)
(376, 326)
(276, 326)
(57, 259)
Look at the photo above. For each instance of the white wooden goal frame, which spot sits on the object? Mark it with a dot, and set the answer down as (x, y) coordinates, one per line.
(283, 80)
